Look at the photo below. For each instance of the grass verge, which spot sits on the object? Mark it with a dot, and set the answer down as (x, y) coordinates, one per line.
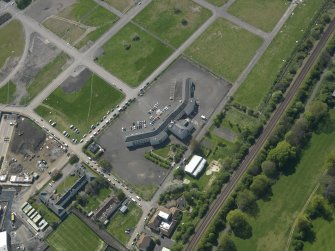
(7, 93)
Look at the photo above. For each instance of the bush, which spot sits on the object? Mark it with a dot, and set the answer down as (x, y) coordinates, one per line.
(56, 175)
(22, 4)
(239, 224)
(74, 159)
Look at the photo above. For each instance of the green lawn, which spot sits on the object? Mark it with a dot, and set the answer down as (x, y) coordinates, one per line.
(163, 152)
(86, 12)
(235, 120)
(270, 228)
(82, 108)
(217, 2)
(145, 191)
(44, 77)
(95, 201)
(324, 240)
(121, 5)
(66, 184)
(261, 78)
(223, 49)
(135, 64)
(48, 215)
(75, 235)
(164, 18)
(7, 93)
(12, 41)
(263, 14)
(120, 222)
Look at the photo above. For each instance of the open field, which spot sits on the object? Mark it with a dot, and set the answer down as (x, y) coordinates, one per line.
(223, 50)
(44, 77)
(263, 14)
(261, 78)
(83, 16)
(173, 20)
(271, 226)
(133, 64)
(12, 41)
(75, 235)
(66, 184)
(121, 5)
(81, 107)
(217, 2)
(121, 222)
(237, 120)
(324, 238)
(7, 93)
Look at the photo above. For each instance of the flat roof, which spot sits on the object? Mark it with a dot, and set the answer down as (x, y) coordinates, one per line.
(192, 165)
(3, 241)
(163, 215)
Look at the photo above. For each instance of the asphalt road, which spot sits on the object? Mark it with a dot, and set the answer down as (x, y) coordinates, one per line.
(253, 151)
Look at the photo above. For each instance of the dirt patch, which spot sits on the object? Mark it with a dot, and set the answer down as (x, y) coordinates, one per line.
(28, 137)
(225, 133)
(40, 53)
(42, 9)
(214, 166)
(76, 81)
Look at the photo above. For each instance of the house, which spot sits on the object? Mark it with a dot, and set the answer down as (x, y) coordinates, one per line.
(146, 243)
(124, 209)
(195, 166)
(93, 147)
(164, 221)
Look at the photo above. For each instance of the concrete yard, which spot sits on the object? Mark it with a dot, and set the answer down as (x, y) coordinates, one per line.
(131, 165)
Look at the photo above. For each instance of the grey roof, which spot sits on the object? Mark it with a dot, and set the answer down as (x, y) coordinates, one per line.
(159, 135)
(181, 131)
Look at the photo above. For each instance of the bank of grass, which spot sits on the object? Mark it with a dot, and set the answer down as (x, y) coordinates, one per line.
(237, 120)
(95, 201)
(75, 235)
(144, 191)
(48, 215)
(225, 49)
(44, 77)
(173, 20)
(121, 5)
(271, 226)
(263, 14)
(12, 39)
(132, 55)
(88, 13)
(66, 184)
(258, 83)
(82, 108)
(218, 2)
(121, 222)
(7, 93)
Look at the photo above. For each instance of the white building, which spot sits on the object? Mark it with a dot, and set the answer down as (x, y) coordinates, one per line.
(195, 166)
(3, 241)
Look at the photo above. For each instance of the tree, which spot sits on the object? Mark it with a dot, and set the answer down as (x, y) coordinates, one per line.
(22, 4)
(260, 185)
(316, 112)
(56, 175)
(105, 166)
(245, 200)
(318, 208)
(269, 169)
(239, 224)
(178, 173)
(298, 133)
(282, 154)
(226, 243)
(304, 228)
(120, 195)
(82, 198)
(74, 159)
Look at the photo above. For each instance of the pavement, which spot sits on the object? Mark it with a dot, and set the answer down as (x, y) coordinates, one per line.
(6, 131)
(86, 59)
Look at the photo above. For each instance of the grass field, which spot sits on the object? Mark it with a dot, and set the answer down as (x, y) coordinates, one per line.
(145, 191)
(12, 41)
(95, 201)
(261, 78)
(66, 184)
(263, 14)
(75, 235)
(223, 50)
(274, 220)
(7, 93)
(235, 120)
(324, 239)
(134, 64)
(82, 108)
(121, 5)
(217, 2)
(120, 222)
(44, 77)
(87, 13)
(49, 216)
(165, 19)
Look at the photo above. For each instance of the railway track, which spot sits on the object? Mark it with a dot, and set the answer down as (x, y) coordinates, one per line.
(253, 151)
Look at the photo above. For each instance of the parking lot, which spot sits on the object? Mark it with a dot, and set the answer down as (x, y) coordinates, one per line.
(131, 165)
